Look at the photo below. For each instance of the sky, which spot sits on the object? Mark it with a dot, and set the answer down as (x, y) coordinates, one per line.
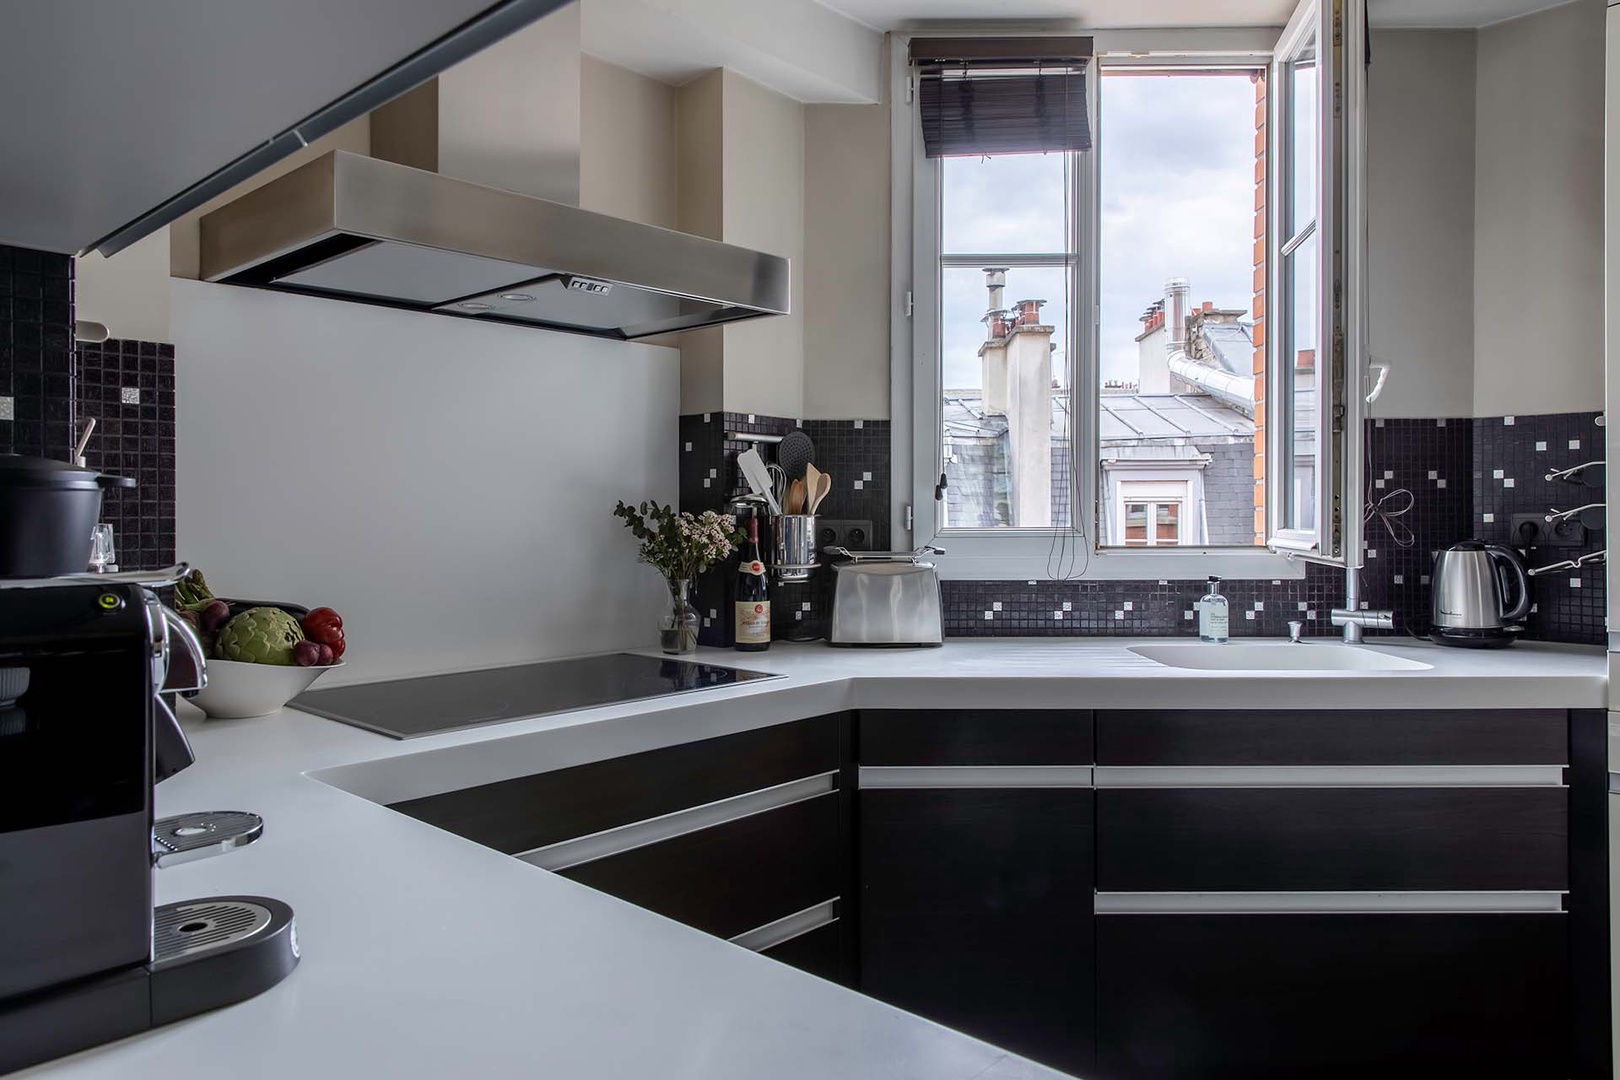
(1177, 161)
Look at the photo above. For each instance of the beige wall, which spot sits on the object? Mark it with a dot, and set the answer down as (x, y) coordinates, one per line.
(1420, 219)
(700, 199)
(846, 262)
(509, 116)
(763, 186)
(1538, 244)
(130, 291)
(627, 161)
(183, 246)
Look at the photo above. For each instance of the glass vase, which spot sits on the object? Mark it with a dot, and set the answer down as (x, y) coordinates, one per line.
(678, 628)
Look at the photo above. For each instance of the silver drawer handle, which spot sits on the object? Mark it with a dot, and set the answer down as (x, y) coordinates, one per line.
(782, 931)
(616, 841)
(975, 776)
(1395, 903)
(1291, 776)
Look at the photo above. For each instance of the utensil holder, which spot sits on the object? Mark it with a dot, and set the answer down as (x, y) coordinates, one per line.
(793, 546)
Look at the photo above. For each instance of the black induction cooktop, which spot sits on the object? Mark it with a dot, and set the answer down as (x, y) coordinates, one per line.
(410, 708)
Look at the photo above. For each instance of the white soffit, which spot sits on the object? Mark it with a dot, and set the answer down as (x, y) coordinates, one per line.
(1451, 14)
(799, 48)
(919, 14)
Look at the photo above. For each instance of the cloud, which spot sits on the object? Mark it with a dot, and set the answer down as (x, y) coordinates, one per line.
(1177, 198)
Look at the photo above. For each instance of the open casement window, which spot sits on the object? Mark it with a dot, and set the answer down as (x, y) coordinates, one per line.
(1072, 410)
(1003, 127)
(1313, 424)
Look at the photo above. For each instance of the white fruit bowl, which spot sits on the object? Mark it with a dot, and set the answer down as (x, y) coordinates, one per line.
(236, 690)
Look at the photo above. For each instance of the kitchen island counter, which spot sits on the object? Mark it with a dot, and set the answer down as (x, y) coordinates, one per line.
(426, 955)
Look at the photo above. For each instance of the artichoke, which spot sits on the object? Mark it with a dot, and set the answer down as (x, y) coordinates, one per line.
(261, 635)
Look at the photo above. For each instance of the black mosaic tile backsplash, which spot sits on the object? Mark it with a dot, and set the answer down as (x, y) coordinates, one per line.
(1137, 608)
(49, 385)
(854, 452)
(1442, 472)
(1424, 468)
(36, 353)
(128, 387)
(1512, 457)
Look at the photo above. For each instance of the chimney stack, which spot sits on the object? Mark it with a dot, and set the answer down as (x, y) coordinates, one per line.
(1177, 296)
(995, 278)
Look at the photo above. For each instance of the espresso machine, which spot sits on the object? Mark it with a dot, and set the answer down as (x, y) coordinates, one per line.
(85, 734)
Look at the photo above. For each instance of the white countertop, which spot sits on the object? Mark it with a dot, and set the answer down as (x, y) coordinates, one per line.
(426, 955)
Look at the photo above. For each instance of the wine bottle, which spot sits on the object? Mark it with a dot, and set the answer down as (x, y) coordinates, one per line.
(753, 606)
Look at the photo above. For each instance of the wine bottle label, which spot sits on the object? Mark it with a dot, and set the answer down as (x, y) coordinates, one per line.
(755, 567)
(753, 622)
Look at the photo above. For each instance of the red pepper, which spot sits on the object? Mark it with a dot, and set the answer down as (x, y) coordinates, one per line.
(325, 627)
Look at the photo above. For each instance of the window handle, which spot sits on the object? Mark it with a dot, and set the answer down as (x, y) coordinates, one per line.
(939, 488)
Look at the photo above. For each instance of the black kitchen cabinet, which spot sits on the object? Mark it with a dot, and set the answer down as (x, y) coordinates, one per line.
(976, 834)
(1332, 737)
(976, 913)
(1331, 839)
(529, 812)
(734, 877)
(822, 952)
(1330, 996)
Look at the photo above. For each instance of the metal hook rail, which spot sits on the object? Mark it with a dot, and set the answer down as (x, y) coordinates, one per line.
(1572, 564)
(1564, 515)
(1566, 474)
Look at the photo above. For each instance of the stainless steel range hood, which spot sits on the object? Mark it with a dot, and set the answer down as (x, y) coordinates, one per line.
(357, 228)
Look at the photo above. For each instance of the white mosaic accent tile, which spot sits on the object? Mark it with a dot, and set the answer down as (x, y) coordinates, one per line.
(8, 408)
(130, 395)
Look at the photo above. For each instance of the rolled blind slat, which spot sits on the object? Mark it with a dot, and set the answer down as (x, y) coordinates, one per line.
(1002, 95)
(964, 114)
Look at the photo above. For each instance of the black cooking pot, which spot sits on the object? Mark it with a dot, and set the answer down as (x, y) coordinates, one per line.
(48, 515)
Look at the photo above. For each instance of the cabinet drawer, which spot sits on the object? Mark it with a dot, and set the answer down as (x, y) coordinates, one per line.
(976, 913)
(821, 952)
(975, 737)
(735, 877)
(1330, 839)
(529, 812)
(1328, 996)
(1327, 737)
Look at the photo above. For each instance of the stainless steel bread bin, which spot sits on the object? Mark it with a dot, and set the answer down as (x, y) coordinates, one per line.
(886, 599)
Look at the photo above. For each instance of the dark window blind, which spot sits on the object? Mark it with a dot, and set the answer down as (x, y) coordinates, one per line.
(1002, 95)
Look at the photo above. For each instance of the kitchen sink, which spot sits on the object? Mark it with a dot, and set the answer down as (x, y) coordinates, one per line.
(1274, 656)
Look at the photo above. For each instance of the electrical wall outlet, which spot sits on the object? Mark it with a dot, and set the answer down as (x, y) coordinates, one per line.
(1533, 531)
(854, 535)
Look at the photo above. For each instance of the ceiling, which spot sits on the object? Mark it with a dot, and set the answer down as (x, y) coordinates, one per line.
(906, 14)
(1452, 13)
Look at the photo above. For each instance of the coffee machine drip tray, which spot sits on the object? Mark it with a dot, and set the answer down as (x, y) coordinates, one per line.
(217, 951)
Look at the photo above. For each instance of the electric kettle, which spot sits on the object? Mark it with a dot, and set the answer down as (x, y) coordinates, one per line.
(1473, 582)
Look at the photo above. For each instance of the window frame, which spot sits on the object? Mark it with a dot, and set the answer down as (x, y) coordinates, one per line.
(1335, 536)
(1073, 553)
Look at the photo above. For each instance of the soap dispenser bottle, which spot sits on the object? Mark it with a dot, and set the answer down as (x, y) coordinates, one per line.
(1212, 612)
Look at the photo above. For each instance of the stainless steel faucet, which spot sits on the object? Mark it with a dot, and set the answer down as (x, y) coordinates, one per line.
(1354, 622)
(1351, 617)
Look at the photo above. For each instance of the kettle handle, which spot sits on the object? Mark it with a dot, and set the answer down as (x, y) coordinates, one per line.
(1502, 554)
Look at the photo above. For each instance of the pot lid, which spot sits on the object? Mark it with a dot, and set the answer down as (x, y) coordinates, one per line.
(17, 470)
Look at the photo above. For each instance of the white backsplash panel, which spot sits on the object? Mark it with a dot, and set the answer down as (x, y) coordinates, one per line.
(446, 485)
